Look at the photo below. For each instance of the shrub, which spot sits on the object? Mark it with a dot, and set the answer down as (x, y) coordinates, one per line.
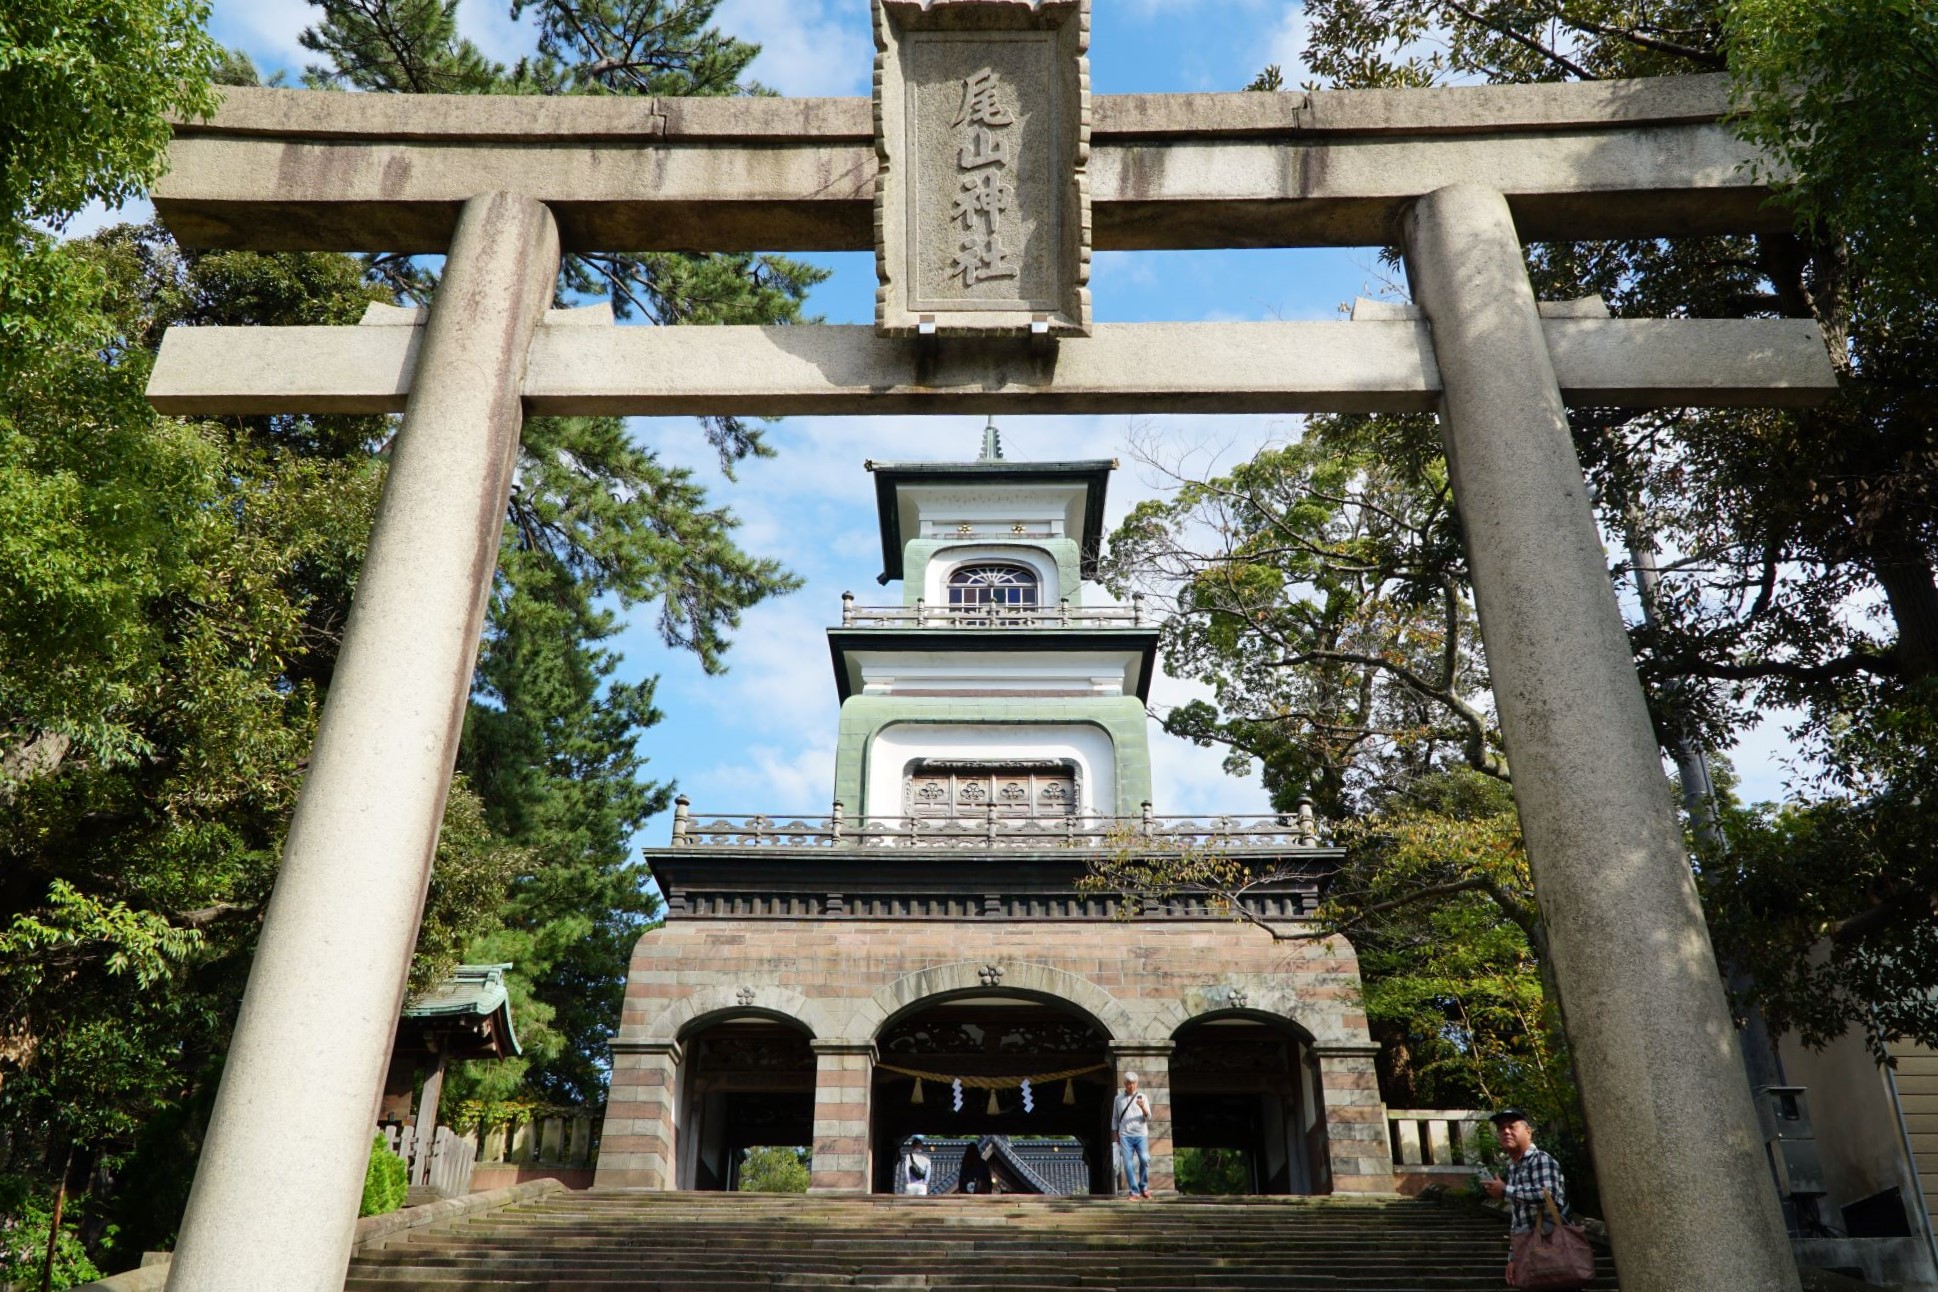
(25, 1214)
(1211, 1171)
(774, 1170)
(385, 1181)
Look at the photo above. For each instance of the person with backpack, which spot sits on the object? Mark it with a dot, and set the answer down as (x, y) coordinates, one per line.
(912, 1172)
(1131, 1115)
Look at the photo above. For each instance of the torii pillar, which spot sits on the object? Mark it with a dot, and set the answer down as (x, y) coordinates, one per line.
(1682, 1170)
(358, 858)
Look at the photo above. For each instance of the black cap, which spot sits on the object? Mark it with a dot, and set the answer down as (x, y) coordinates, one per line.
(917, 1139)
(1507, 1116)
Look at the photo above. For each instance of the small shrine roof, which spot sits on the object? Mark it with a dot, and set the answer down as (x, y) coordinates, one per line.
(1051, 1165)
(475, 1001)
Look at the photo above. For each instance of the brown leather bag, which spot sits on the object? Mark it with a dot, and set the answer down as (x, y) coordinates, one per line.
(1560, 1258)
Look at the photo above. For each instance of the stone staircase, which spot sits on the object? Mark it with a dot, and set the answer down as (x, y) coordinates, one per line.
(623, 1241)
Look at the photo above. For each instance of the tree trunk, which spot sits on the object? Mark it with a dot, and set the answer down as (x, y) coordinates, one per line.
(1912, 591)
(54, 1225)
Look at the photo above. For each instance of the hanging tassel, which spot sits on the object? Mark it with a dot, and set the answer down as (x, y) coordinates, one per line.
(916, 1098)
(1069, 1090)
(994, 1107)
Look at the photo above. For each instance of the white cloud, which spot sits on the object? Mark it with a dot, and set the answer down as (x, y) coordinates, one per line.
(769, 780)
(264, 29)
(808, 47)
(490, 27)
(1289, 42)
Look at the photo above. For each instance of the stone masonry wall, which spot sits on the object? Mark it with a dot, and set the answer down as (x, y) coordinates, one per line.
(843, 980)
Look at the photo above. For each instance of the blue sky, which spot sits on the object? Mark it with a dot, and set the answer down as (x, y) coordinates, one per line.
(761, 738)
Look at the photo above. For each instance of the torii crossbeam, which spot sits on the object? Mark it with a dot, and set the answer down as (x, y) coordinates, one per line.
(1459, 177)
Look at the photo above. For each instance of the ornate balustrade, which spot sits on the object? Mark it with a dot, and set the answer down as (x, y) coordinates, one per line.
(1061, 615)
(1282, 832)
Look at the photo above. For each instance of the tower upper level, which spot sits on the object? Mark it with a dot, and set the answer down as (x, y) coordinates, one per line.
(991, 533)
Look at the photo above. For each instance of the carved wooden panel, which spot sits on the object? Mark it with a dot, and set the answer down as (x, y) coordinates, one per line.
(971, 790)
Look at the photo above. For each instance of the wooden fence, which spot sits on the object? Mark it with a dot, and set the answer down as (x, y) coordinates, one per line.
(447, 1165)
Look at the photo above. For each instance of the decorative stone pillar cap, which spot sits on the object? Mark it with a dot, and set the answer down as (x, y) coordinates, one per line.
(1345, 1049)
(1142, 1049)
(665, 1049)
(843, 1047)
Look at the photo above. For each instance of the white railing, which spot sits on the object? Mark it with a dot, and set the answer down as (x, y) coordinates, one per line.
(1434, 1137)
(1276, 833)
(1061, 615)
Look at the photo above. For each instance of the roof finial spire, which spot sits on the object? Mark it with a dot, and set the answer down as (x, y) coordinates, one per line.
(992, 442)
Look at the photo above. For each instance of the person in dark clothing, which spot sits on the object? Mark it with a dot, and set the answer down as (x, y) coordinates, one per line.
(975, 1176)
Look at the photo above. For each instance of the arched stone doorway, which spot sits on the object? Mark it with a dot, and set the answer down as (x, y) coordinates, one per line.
(746, 1081)
(1001, 1036)
(1246, 1112)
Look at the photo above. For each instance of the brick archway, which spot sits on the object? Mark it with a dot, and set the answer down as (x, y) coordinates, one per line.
(710, 1004)
(1011, 978)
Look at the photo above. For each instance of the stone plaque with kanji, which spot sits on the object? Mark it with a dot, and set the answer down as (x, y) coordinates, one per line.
(982, 205)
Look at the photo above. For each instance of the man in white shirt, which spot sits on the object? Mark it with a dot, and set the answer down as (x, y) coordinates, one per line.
(1131, 1115)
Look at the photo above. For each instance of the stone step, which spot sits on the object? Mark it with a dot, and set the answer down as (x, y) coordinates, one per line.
(617, 1241)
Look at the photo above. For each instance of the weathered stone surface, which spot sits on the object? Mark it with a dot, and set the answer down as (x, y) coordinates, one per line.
(1683, 1174)
(842, 981)
(982, 140)
(1158, 367)
(289, 1138)
(301, 170)
(1441, 110)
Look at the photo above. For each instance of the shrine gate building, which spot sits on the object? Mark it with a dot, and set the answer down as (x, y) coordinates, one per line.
(904, 964)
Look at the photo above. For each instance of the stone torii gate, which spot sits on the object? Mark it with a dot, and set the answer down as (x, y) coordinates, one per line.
(982, 177)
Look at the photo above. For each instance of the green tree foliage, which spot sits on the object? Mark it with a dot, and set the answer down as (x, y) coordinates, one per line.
(172, 598)
(1211, 1171)
(1843, 97)
(1782, 528)
(1320, 590)
(773, 1169)
(136, 853)
(25, 1219)
(86, 89)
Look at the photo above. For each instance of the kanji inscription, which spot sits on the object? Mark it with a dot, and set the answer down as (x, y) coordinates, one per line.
(982, 205)
(984, 195)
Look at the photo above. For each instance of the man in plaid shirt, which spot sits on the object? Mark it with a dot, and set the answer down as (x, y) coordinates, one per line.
(1531, 1171)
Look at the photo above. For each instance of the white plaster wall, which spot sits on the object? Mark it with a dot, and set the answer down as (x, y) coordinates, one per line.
(1053, 673)
(935, 579)
(900, 743)
(934, 510)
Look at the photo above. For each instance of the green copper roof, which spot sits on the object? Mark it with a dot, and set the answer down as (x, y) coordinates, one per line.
(472, 991)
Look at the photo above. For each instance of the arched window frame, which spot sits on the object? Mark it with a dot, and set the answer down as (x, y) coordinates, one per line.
(1049, 575)
(1021, 589)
